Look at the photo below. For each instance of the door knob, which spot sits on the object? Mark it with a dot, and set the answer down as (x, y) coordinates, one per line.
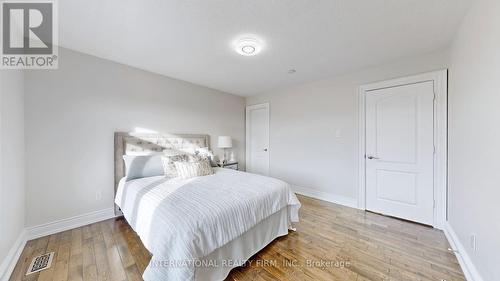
(372, 157)
(265, 149)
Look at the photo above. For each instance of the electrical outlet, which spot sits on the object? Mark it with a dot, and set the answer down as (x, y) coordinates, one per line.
(98, 195)
(338, 133)
(473, 242)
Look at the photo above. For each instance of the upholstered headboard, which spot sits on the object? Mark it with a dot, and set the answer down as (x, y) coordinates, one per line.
(126, 143)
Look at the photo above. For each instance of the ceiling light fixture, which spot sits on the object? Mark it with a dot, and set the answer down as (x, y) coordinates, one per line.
(248, 46)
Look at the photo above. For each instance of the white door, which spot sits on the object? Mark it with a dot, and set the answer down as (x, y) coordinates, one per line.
(400, 151)
(257, 140)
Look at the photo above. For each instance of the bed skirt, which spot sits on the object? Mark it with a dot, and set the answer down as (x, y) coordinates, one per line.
(217, 265)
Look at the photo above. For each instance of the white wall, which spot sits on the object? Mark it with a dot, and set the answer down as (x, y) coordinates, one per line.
(304, 149)
(474, 136)
(12, 188)
(72, 113)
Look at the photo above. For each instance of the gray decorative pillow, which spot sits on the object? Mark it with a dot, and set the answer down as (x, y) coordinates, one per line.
(142, 166)
(207, 153)
(188, 170)
(168, 161)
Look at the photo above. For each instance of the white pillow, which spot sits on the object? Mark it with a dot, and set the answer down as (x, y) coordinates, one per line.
(186, 170)
(142, 166)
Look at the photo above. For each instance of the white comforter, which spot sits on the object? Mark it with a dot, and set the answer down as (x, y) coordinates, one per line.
(181, 221)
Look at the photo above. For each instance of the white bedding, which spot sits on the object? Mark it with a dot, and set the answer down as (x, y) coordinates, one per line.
(181, 221)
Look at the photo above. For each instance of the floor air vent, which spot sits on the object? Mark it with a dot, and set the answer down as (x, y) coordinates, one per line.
(40, 263)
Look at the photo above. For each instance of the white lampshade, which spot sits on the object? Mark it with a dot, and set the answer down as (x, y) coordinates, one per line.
(225, 142)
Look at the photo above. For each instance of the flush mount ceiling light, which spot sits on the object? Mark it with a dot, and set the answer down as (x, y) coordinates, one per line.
(248, 46)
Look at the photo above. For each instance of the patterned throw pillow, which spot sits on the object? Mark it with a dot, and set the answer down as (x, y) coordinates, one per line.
(188, 170)
(169, 166)
(202, 154)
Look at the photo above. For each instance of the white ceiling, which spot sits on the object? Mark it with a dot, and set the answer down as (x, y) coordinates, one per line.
(191, 39)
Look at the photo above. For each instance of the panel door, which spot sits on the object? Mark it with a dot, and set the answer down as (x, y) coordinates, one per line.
(400, 151)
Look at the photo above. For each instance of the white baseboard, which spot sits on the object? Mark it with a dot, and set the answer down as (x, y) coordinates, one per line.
(325, 196)
(469, 269)
(68, 223)
(13, 255)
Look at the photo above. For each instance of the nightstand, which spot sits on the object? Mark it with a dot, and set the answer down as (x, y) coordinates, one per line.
(229, 165)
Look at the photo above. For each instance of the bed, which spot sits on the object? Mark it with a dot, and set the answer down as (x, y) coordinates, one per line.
(199, 228)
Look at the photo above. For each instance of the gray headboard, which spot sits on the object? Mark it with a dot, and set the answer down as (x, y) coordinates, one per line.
(147, 142)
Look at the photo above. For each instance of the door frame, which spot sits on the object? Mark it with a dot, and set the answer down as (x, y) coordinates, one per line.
(247, 133)
(440, 80)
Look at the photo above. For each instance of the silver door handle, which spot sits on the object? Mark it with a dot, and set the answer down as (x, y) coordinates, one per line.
(372, 157)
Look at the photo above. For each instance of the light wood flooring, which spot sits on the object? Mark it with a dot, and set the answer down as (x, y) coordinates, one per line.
(332, 242)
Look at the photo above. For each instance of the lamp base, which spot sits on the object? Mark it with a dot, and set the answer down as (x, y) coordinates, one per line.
(232, 157)
(223, 160)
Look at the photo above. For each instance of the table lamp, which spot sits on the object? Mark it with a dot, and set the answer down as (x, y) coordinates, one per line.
(225, 142)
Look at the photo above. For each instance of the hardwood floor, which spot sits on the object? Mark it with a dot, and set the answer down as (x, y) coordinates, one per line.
(332, 242)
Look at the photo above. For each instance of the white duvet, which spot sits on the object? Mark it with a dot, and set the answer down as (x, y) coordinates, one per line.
(181, 221)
